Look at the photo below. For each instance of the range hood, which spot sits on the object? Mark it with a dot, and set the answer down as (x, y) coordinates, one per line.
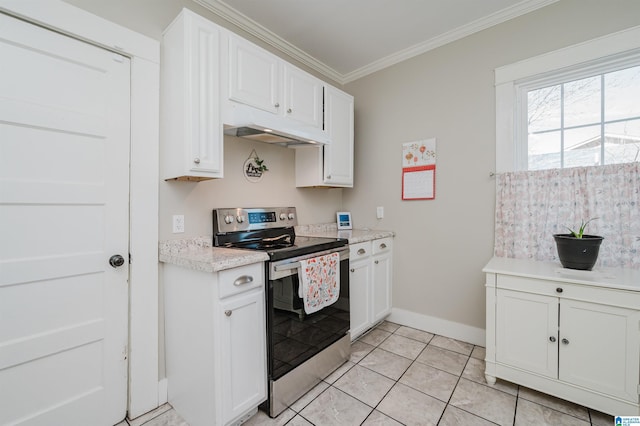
(251, 123)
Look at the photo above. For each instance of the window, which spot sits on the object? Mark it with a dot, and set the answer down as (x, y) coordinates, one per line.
(589, 121)
(577, 106)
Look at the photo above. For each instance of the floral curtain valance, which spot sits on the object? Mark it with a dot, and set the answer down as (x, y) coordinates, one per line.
(531, 206)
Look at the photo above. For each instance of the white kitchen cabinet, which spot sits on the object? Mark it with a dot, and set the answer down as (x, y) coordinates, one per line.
(360, 291)
(191, 128)
(382, 262)
(369, 284)
(330, 165)
(572, 334)
(262, 80)
(215, 343)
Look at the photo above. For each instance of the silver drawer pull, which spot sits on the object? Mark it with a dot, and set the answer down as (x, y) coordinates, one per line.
(245, 279)
(361, 251)
(228, 313)
(383, 246)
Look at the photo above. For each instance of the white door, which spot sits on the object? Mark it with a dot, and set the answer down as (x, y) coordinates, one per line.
(64, 176)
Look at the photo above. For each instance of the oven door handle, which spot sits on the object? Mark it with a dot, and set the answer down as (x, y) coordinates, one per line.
(291, 266)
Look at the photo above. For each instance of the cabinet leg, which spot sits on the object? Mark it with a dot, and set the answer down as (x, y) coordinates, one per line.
(490, 379)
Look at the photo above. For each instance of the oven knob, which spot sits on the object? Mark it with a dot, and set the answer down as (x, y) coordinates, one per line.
(291, 216)
(228, 219)
(240, 219)
(283, 216)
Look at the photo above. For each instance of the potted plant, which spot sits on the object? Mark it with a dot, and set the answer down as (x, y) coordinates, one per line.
(578, 250)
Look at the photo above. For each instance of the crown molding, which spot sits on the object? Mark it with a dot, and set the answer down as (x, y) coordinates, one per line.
(234, 17)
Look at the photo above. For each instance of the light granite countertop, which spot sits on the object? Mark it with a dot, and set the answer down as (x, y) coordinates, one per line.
(330, 230)
(198, 254)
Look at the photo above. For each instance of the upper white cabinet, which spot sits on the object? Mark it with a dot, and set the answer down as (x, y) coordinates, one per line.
(572, 334)
(191, 130)
(262, 80)
(330, 165)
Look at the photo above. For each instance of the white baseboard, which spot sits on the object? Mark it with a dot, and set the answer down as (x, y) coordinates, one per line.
(454, 330)
(163, 391)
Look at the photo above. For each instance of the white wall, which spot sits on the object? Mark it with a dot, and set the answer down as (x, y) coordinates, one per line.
(448, 93)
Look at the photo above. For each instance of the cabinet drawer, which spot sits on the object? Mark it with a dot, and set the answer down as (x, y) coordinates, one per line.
(359, 250)
(602, 295)
(382, 245)
(238, 280)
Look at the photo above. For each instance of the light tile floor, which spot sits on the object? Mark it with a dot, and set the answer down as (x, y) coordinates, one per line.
(399, 375)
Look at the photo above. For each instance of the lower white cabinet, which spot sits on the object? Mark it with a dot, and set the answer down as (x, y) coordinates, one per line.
(572, 334)
(370, 265)
(215, 343)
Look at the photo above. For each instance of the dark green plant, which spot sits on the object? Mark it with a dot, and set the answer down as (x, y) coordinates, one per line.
(580, 232)
(259, 163)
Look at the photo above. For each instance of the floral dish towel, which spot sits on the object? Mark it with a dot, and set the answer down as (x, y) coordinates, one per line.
(319, 282)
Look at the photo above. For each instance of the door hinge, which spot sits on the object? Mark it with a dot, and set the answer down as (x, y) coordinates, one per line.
(638, 389)
(129, 258)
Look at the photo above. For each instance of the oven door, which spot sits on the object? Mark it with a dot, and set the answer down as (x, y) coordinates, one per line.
(294, 336)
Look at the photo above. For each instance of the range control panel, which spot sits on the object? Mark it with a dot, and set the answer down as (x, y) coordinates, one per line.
(248, 219)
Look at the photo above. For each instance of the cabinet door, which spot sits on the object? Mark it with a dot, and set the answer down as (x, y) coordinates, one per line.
(253, 76)
(382, 276)
(242, 353)
(527, 331)
(600, 348)
(204, 129)
(360, 296)
(302, 96)
(338, 155)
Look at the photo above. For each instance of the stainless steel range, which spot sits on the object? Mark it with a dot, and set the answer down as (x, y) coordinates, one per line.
(302, 348)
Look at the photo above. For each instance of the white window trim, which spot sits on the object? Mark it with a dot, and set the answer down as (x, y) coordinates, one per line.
(569, 59)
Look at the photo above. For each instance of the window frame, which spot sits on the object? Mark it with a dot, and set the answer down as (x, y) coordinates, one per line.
(512, 82)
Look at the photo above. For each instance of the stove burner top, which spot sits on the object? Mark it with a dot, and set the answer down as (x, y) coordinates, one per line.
(268, 231)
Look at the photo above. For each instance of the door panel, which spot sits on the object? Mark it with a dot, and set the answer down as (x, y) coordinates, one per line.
(64, 189)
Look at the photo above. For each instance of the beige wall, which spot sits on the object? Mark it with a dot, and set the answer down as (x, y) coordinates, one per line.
(448, 93)
(277, 188)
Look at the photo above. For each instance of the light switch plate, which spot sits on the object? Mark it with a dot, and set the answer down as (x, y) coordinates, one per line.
(379, 212)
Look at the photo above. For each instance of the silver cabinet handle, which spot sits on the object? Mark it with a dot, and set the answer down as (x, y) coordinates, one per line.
(289, 111)
(361, 251)
(565, 341)
(552, 339)
(383, 246)
(559, 290)
(328, 176)
(352, 270)
(196, 160)
(277, 105)
(376, 262)
(228, 313)
(245, 279)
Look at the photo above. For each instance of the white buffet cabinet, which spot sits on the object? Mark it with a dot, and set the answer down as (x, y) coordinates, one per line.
(370, 266)
(215, 342)
(572, 334)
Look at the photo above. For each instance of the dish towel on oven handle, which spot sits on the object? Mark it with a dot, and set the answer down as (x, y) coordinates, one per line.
(319, 281)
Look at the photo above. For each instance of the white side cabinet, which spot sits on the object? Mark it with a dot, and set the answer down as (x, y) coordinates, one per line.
(262, 80)
(572, 334)
(191, 128)
(370, 266)
(215, 343)
(330, 165)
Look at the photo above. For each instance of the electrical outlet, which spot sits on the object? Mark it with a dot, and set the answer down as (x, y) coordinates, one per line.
(178, 223)
(379, 212)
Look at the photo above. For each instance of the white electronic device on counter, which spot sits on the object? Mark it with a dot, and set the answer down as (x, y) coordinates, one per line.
(344, 220)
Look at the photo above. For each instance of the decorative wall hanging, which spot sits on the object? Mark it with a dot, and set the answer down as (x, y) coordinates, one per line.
(254, 167)
(419, 170)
